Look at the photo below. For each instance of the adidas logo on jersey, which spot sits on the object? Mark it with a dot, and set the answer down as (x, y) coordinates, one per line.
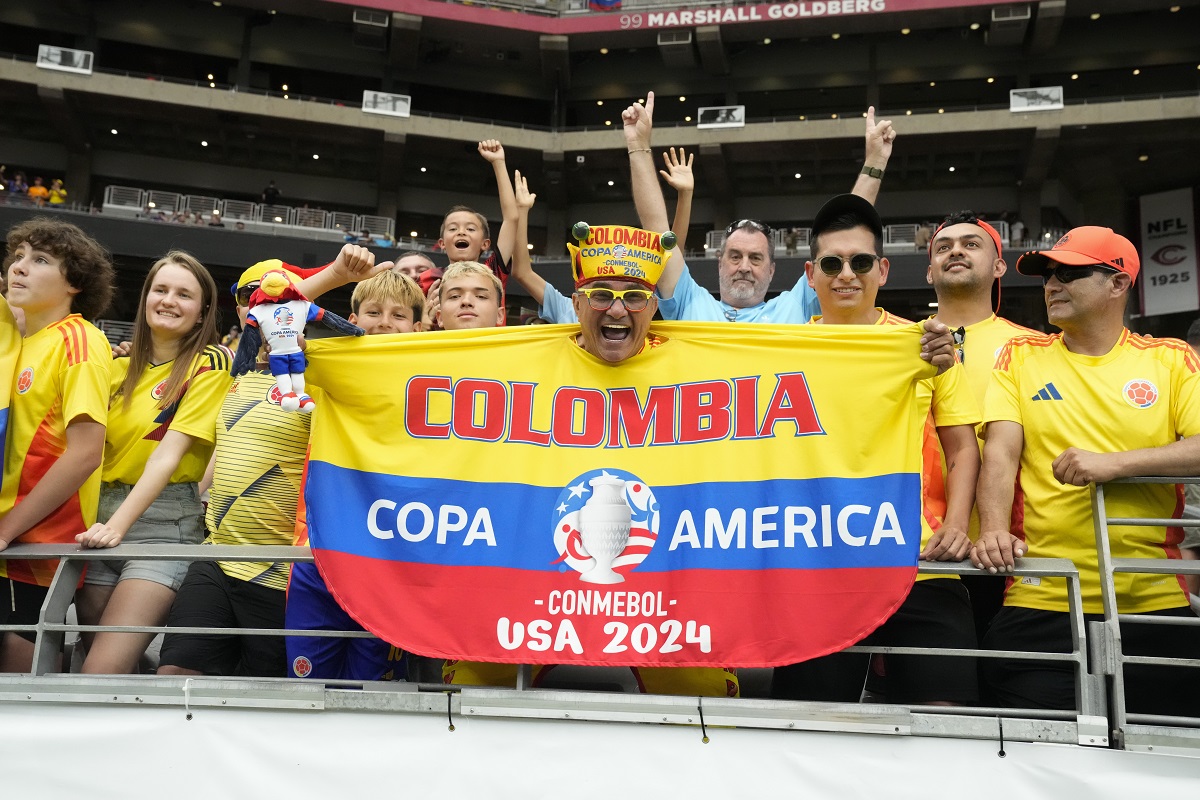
(1047, 392)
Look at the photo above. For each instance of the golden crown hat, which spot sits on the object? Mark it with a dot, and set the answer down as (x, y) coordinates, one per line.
(619, 252)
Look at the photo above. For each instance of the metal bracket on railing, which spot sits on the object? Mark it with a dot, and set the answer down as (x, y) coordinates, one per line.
(1093, 731)
(1103, 648)
(187, 697)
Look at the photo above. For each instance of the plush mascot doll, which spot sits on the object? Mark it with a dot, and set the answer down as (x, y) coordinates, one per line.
(279, 312)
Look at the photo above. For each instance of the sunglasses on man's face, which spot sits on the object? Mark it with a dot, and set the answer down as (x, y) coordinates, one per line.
(860, 264)
(737, 225)
(241, 294)
(1067, 273)
(603, 299)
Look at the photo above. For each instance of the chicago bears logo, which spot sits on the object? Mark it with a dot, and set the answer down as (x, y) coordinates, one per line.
(605, 524)
(25, 380)
(301, 666)
(284, 316)
(1170, 255)
(1140, 393)
(274, 396)
(157, 391)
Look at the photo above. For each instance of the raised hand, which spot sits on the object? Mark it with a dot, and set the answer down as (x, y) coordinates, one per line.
(491, 150)
(678, 173)
(638, 121)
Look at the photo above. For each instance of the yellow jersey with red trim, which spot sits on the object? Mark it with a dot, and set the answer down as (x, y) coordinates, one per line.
(981, 346)
(260, 451)
(947, 400)
(61, 376)
(136, 424)
(1145, 392)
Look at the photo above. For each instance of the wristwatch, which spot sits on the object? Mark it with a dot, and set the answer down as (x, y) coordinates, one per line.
(874, 172)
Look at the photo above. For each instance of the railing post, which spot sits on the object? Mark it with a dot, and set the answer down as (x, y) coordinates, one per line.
(48, 647)
(1108, 594)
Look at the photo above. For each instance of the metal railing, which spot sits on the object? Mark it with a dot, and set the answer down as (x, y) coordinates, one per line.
(1096, 716)
(1107, 644)
(52, 625)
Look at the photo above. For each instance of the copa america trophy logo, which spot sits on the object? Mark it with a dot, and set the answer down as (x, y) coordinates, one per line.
(605, 523)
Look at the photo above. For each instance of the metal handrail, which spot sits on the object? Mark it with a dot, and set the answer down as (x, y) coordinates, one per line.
(1112, 655)
(52, 626)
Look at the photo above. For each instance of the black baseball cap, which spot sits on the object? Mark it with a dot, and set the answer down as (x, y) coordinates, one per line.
(842, 205)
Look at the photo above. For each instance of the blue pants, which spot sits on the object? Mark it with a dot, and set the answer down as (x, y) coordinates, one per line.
(310, 606)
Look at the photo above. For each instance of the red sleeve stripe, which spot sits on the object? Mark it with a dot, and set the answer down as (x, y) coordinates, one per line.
(74, 341)
(1190, 359)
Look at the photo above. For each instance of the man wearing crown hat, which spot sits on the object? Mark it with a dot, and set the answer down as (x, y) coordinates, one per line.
(615, 269)
(1091, 404)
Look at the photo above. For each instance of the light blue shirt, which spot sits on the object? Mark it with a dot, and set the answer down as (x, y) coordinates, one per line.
(555, 307)
(692, 302)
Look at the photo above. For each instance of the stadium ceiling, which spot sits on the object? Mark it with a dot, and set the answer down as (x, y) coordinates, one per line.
(498, 73)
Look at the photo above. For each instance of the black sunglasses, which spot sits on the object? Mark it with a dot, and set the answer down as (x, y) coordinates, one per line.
(736, 225)
(1067, 273)
(960, 339)
(241, 294)
(860, 264)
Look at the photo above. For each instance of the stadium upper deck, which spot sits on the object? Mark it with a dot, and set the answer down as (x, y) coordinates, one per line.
(218, 99)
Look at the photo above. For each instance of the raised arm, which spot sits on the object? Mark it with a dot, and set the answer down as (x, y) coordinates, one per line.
(522, 263)
(638, 122)
(353, 263)
(678, 175)
(880, 136)
(493, 152)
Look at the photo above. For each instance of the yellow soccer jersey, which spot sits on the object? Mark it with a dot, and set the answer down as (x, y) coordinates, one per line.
(1145, 392)
(942, 401)
(61, 375)
(135, 428)
(260, 452)
(982, 343)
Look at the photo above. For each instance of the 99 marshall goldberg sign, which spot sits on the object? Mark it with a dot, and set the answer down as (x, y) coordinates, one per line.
(631, 18)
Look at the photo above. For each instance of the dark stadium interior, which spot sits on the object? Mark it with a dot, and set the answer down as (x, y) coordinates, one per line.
(1131, 78)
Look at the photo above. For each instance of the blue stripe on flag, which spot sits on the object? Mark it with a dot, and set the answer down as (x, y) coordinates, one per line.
(818, 523)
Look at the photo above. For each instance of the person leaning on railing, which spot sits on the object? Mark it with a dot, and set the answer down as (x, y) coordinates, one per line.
(1089, 405)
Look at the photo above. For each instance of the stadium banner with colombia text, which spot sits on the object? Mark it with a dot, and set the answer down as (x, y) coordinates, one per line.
(736, 496)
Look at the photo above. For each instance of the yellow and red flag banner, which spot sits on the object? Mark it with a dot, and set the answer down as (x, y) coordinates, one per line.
(736, 496)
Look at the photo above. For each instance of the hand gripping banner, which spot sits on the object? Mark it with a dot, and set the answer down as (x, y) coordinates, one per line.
(735, 496)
